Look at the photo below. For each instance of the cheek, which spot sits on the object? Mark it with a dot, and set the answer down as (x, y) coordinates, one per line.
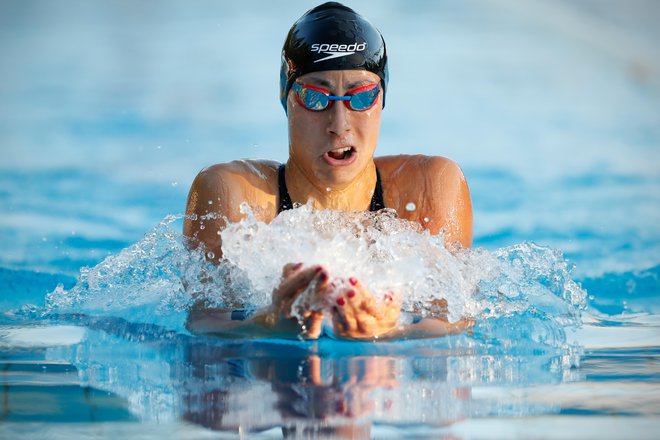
(301, 128)
(370, 123)
(371, 117)
(303, 123)
(304, 137)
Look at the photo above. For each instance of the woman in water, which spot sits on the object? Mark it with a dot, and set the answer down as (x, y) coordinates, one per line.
(333, 84)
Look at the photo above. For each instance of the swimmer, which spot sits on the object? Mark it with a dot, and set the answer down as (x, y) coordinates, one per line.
(333, 84)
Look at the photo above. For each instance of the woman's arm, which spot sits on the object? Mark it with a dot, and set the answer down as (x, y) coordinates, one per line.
(428, 328)
(213, 200)
(275, 320)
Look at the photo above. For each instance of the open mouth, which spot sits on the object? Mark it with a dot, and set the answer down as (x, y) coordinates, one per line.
(341, 153)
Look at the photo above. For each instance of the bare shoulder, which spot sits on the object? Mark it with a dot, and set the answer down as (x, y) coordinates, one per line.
(257, 173)
(402, 166)
(240, 180)
(431, 190)
(414, 176)
(218, 191)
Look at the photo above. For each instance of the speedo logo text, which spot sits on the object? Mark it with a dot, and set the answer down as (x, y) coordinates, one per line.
(337, 50)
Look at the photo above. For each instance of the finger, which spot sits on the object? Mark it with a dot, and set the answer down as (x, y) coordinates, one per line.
(361, 298)
(323, 293)
(366, 324)
(308, 304)
(345, 315)
(378, 317)
(289, 268)
(296, 281)
(314, 325)
(318, 299)
(392, 308)
(338, 322)
(361, 301)
(356, 310)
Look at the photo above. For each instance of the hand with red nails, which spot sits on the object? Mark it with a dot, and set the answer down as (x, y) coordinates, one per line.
(356, 313)
(298, 280)
(359, 314)
(308, 286)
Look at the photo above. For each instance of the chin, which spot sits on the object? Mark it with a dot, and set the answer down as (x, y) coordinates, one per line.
(340, 175)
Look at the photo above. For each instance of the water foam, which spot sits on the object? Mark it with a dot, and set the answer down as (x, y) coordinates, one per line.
(519, 291)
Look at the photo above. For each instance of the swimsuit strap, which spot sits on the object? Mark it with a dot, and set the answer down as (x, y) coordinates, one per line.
(377, 201)
(285, 199)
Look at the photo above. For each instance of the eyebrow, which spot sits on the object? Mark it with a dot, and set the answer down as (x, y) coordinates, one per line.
(320, 82)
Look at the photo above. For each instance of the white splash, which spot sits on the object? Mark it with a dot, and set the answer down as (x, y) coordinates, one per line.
(523, 291)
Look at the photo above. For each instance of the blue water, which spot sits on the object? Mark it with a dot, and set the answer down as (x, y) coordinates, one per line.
(109, 109)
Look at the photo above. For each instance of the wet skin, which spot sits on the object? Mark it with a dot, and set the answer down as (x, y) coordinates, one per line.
(331, 162)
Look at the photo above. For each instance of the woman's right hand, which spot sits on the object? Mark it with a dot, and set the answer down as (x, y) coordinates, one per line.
(297, 279)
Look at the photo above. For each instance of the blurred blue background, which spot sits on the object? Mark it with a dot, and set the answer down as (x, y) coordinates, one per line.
(108, 109)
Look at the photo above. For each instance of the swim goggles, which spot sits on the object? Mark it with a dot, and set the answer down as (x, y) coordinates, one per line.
(317, 99)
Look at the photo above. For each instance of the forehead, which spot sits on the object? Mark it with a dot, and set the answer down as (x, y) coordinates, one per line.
(335, 78)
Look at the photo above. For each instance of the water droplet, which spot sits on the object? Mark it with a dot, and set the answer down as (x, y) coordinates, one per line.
(210, 255)
(210, 202)
(44, 239)
(202, 227)
(328, 189)
(426, 219)
(174, 183)
(158, 147)
(410, 206)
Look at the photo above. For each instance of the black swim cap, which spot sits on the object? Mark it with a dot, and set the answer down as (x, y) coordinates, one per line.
(332, 37)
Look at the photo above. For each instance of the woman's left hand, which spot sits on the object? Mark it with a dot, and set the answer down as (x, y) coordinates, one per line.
(358, 314)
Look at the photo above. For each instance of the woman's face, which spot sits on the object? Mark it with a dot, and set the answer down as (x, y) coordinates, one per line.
(333, 146)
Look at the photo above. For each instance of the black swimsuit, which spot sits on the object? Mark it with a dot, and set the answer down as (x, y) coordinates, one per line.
(377, 202)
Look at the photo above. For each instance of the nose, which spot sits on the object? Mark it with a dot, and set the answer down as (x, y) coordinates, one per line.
(339, 118)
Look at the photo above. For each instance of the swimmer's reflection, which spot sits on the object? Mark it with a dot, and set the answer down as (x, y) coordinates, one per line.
(303, 395)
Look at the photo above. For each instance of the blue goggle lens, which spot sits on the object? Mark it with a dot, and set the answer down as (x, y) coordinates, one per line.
(316, 99)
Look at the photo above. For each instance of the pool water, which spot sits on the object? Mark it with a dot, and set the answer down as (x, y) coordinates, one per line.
(109, 110)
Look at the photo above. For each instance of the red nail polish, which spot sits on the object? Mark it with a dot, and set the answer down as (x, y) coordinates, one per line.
(318, 269)
(323, 277)
(341, 301)
(351, 293)
(353, 281)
